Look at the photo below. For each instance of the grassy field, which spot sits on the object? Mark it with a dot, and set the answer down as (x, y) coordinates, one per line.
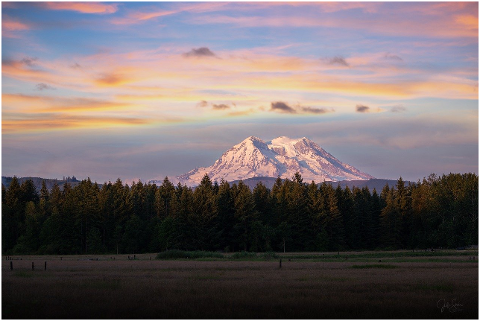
(308, 285)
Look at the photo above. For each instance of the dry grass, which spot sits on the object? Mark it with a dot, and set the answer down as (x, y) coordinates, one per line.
(77, 288)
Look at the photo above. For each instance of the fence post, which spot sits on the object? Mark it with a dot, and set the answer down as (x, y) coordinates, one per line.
(33, 266)
(45, 265)
(11, 266)
(280, 266)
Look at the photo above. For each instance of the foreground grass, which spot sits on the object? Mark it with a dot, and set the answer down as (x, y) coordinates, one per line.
(75, 287)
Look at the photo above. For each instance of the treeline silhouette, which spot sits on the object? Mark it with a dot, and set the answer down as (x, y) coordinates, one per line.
(292, 216)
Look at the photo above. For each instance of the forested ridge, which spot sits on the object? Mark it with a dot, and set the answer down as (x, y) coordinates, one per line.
(292, 216)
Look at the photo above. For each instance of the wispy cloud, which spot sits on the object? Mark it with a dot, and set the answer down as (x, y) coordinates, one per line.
(398, 109)
(392, 57)
(13, 28)
(49, 122)
(311, 110)
(149, 13)
(47, 104)
(404, 19)
(141, 16)
(82, 7)
(42, 86)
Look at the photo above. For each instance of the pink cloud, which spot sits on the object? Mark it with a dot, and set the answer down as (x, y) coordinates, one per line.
(12, 28)
(83, 7)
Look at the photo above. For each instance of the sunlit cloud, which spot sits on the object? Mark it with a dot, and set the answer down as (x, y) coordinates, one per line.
(13, 28)
(82, 7)
(384, 19)
(148, 13)
(139, 16)
(48, 104)
(49, 122)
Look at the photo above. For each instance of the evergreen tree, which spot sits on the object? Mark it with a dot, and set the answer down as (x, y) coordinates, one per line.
(245, 215)
(205, 209)
(225, 219)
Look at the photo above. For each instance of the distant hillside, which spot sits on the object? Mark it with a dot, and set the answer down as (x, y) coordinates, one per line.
(376, 183)
(37, 181)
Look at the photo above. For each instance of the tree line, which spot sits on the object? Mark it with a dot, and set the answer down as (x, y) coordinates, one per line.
(291, 216)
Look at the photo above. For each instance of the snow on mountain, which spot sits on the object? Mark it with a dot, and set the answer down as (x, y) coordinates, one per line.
(282, 156)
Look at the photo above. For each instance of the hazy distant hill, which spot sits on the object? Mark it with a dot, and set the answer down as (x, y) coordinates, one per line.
(38, 181)
(376, 183)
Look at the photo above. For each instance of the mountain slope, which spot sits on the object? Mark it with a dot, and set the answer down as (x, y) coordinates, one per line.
(281, 156)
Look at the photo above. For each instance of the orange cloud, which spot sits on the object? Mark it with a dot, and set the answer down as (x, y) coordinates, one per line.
(83, 7)
(35, 123)
(468, 20)
(48, 104)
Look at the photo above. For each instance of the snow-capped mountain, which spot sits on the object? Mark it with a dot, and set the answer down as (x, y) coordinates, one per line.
(281, 156)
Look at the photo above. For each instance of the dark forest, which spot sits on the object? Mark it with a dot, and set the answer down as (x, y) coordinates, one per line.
(292, 216)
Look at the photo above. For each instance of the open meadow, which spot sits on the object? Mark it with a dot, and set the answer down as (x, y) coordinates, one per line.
(307, 285)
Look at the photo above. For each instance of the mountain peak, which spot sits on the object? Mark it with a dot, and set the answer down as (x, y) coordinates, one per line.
(282, 156)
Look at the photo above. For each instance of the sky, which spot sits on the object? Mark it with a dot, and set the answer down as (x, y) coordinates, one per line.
(144, 90)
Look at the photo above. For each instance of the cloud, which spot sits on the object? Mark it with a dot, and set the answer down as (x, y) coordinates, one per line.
(200, 52)
(203, 104)
(46, 122)
(82, 7)
(42, 86)
(338, 60)
(48, 104)
(12, 28)
(398, 109)
(392, 57)
(220, 106)
(423, 19)
(282, 107)
(362, 109)
(29, 61)
(139, 16)
(145, 14)
(110, 79)
(311, 110)
(75, 66)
